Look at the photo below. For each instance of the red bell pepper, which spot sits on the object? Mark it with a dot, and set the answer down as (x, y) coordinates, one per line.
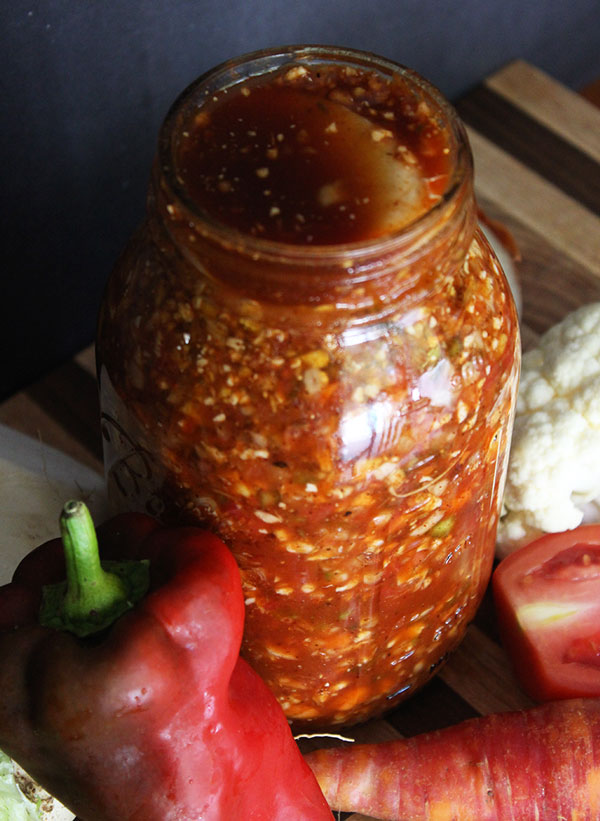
(156, 716)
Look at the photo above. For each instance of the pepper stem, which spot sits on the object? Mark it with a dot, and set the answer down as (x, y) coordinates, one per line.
(91, 591)
(93, 596)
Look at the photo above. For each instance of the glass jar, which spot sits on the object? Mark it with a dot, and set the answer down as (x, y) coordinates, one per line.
(335, 400)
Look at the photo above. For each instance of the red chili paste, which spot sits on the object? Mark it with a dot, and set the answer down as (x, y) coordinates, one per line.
(345, 432)
(317, 156)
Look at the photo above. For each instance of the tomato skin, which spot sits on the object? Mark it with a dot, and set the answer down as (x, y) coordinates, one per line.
(547, 599)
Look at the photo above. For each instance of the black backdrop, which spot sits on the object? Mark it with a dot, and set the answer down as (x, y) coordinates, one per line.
(85, 84)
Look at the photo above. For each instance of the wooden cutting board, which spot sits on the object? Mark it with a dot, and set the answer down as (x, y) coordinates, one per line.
(536, 147)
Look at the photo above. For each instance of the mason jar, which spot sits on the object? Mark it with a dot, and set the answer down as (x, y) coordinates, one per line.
(310, 348)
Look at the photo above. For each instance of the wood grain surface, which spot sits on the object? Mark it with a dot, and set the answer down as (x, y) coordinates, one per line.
(536, 147)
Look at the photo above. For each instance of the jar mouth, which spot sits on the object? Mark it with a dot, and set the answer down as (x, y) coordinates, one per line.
(267, 62)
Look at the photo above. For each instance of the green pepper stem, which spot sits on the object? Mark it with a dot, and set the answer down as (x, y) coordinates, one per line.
(91, 591)
(94, 594)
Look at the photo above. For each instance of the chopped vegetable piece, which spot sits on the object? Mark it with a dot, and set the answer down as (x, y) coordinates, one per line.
(547, 597)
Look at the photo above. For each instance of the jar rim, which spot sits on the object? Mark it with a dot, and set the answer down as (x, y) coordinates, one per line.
(271, 60)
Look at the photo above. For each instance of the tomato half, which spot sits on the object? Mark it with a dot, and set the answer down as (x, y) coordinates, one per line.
(547, 597)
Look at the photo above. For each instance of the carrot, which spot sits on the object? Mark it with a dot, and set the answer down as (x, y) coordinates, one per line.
(541, 764)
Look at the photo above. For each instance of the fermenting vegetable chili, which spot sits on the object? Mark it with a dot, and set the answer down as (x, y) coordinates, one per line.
(319, 157)
(309, 347)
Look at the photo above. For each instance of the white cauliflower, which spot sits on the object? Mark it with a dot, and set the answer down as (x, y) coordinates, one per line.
(554, 465)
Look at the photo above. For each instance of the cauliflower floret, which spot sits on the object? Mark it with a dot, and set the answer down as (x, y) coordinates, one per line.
(554, 465)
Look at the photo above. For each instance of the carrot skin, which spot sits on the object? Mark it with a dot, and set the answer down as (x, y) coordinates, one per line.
(541, 764)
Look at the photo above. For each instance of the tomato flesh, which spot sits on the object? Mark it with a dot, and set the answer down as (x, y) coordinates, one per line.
(584, 651)
(547, 597)
(574, 563)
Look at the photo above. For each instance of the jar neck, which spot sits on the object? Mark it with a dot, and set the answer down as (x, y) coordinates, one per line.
(357, 273)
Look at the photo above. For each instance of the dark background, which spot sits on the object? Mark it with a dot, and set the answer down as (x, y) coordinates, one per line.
(86, 83)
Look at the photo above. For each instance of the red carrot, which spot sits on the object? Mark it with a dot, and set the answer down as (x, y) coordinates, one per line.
(541, 764)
